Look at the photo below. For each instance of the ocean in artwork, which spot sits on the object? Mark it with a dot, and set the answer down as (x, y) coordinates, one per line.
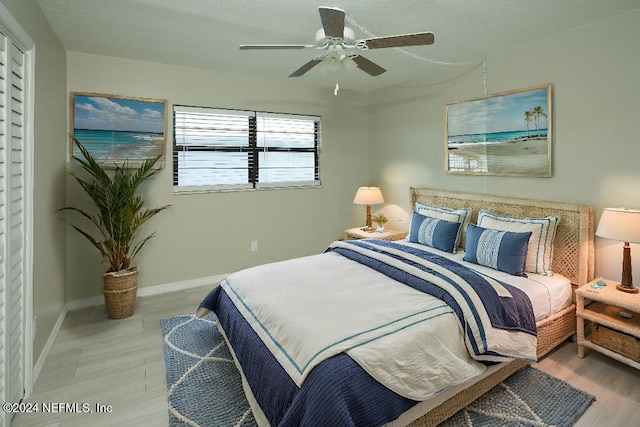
(105, 145)
(493, 137)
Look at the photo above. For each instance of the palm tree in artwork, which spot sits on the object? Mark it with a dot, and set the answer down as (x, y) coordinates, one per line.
(537, 113)
(528, 118)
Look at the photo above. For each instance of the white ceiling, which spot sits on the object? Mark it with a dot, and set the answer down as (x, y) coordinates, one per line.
(207, 33)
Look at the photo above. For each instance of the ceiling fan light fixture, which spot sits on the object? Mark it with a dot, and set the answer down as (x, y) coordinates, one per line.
(333, 63)
(348, 65)
(334, 57)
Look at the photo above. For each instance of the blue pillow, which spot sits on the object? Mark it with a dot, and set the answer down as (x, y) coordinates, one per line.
(501, 250)
(437, 233)
(462, 215)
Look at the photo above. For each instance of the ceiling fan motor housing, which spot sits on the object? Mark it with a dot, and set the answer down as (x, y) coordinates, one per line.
(347, 39)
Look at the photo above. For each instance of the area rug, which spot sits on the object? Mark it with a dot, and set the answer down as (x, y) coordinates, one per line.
(529, 397)
(204, 386)
(205, 389)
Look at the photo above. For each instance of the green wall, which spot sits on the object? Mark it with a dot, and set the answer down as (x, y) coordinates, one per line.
(595, 73)
(209, 234)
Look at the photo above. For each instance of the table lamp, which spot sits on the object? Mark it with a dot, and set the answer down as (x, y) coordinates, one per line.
(623, 225)
(368, 196)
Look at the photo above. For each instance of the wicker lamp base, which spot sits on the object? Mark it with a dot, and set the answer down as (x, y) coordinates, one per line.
(120, 292)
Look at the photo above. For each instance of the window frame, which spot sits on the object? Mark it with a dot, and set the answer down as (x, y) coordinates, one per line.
(253, 149)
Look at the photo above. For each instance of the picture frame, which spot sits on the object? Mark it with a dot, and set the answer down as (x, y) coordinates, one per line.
(506, 133)
(117, 129)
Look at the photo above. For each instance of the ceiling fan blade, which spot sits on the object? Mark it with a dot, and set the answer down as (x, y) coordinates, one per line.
(332, 21)
(416, 39)
(306, 67)
(367, 66)
(274, 46)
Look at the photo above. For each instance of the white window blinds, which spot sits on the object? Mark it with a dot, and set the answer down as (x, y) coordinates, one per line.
(244, 149)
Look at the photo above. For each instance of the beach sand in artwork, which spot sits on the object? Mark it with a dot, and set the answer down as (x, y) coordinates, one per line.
(524, 156)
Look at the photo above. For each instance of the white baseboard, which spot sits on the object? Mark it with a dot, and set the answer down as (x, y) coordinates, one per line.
(181, 286)
(47, 346)
(152, 290)
(99, 300)
(82, 303)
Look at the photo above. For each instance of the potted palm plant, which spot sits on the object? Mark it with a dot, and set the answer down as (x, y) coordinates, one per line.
(117, 216)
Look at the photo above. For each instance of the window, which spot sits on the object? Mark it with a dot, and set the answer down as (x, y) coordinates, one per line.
(235, 149)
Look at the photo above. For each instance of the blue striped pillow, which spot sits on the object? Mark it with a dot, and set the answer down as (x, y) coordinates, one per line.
(437, 233)
(462, 215)
(543, 232)
(501, 250)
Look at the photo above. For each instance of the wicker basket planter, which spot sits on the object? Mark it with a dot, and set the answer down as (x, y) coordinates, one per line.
(120, 292)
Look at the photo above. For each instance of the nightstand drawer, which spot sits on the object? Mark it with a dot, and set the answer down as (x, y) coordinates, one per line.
(621, 343)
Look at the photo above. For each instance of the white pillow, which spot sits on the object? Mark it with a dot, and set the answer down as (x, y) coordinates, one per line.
(462, 215)
(543, 231)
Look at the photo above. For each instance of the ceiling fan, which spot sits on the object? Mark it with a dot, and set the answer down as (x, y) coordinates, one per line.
(339, 43)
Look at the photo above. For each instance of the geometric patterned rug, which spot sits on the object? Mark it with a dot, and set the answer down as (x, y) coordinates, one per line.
(529, 397)
(204, 386)
(205, 389)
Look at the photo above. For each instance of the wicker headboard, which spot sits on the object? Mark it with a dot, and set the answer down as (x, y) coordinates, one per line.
(573, 251)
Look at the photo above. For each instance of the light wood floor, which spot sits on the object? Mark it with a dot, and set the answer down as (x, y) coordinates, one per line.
(120, 363)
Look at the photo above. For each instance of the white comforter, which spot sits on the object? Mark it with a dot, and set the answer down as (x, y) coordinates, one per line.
(399, 335)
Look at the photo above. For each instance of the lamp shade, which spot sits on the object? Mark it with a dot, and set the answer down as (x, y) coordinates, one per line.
(368, 196)
(620, 224)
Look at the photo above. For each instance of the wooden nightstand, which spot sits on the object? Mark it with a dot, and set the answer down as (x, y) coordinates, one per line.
(613, 334)
(357, 233)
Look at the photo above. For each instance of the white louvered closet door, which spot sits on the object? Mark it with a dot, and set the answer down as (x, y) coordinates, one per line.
(12, 222)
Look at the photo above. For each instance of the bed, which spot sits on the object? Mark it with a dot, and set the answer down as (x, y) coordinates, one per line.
(340, 386)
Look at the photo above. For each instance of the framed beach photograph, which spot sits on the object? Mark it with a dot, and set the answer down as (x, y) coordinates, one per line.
(118, 128)
(507, 133)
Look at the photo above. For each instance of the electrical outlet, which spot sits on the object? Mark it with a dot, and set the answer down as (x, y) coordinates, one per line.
(399, 217)
(254, 246)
